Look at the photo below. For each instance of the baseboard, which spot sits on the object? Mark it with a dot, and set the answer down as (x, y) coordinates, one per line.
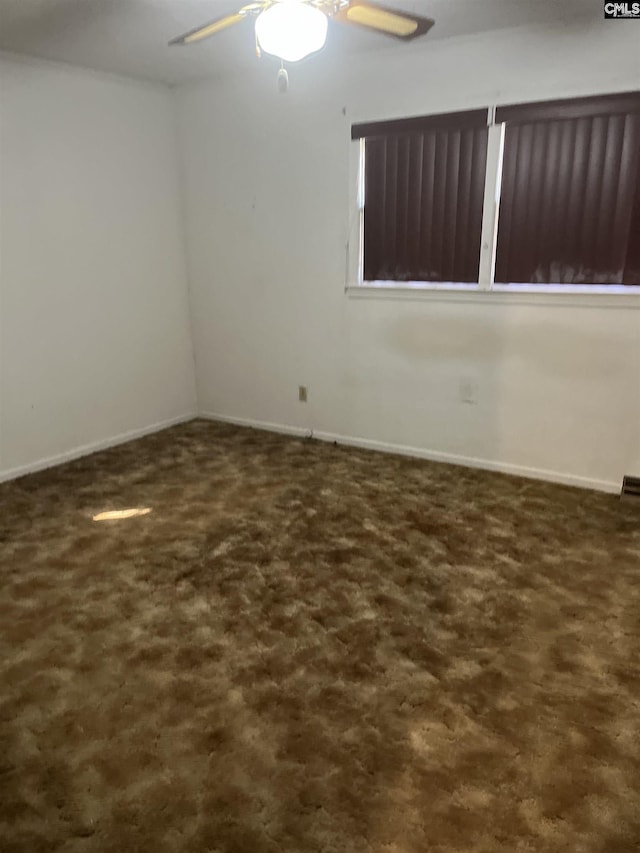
(93, 447)
(283, 429)
(559, 477)
(302, 432)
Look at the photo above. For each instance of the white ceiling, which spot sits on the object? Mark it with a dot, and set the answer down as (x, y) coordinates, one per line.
(130, 36)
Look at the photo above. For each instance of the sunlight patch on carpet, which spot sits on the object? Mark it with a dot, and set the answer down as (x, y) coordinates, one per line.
(119, 514)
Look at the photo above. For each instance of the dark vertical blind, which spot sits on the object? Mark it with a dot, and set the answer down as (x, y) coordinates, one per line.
(424, 195)
(570, 201)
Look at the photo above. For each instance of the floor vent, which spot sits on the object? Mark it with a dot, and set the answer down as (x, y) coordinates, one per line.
(630, 487)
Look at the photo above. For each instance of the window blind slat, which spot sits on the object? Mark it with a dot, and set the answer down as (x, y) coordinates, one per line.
(375, 204)
(404, 216)
(466, 166)
(422, 265)
(417, 171)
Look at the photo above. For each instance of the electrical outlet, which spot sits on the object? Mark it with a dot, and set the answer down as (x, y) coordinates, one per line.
(302, 393)
(468, 391)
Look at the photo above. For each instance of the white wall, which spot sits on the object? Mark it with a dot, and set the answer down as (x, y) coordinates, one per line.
(94, 328)
(267, 182)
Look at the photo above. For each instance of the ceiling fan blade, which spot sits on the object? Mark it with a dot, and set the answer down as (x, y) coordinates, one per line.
(209, 29)
(392, 22)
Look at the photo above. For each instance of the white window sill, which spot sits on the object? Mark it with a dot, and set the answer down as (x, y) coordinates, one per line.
(597, 296)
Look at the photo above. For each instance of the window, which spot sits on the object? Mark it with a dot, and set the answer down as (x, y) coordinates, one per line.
(570, 200)
(545, 194)
(424, 188)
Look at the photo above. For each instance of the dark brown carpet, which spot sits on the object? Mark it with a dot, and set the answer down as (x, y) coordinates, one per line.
(309, 648)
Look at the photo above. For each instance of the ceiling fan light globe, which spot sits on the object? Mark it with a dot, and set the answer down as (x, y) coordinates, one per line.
(291, 30)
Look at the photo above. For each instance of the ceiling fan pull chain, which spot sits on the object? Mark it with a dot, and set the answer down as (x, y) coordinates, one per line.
(283, 79)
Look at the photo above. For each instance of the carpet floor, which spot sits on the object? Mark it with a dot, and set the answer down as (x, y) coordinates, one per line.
(303, 647)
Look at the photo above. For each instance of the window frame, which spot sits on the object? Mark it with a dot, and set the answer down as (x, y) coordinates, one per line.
(485, 287)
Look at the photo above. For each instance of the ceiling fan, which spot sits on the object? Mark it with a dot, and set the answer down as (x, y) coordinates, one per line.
(292, 29)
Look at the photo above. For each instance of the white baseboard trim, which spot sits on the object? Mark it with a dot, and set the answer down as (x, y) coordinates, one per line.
(93, 447)
(559, 477)
(303, 432)
(283, 429)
